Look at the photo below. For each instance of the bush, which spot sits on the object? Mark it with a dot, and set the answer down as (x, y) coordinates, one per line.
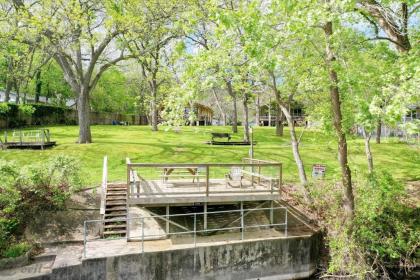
(26, 110)
(4, 108)
(384, 226)
(384, 235)
(17, 250)
(25, 192)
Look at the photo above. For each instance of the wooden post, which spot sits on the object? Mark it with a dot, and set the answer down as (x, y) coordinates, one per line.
(128, 178)
(167, 219)
(280, 177)
(207, 180)
(42, 139)
(205, 215)
(271, 212)
(242, 220)
(259, 173)
(5, 136)
(20, 136)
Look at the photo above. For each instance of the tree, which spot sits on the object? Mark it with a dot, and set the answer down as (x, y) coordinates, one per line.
(81, 37)
(151, 27)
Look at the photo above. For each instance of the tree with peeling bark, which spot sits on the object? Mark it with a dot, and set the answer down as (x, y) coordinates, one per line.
(82, 39)
(393, 19)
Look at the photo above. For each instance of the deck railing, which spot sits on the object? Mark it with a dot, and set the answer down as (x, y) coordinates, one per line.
(267, 175)
(104, 185)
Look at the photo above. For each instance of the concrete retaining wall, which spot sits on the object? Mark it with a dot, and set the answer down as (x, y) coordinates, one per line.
(289, 258)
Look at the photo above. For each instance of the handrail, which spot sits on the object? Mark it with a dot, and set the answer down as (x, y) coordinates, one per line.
(201, 164)
(259, 160)
(242, 227)
(207, 166)
(104, 185)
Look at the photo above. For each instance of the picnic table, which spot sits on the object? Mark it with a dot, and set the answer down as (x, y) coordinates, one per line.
(220, 135)
(182, 171)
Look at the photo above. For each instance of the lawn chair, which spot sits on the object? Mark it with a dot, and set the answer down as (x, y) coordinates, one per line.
(236, 175)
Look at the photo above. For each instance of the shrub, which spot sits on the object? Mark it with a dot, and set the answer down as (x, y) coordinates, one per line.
(4, 108)
(384, 226)
(25, 192)
(17, 250)
(26, 110)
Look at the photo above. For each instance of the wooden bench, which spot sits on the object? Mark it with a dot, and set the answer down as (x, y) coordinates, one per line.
(220, 135)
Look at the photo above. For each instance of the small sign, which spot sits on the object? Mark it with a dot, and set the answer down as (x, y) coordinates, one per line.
(318, 170)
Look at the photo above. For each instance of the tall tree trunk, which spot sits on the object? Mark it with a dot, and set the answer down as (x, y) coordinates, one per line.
(257, 111)
(367, 136)
(9, 86)
(83, 114)
(295, 147)
(295, 142)
(396, 31)
(38, 86)
(235, 109)
(246, 118)
(222, 113)
(279, 122)
(17, 93)
(337, 122)
(378, 131)
(154, 107)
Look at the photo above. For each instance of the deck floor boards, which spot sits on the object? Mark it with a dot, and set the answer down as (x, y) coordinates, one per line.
(185, 191)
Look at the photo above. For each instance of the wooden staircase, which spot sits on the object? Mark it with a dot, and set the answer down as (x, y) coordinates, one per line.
(115, 210)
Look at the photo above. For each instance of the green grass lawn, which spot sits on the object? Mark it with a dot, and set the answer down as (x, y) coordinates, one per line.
(142, 145)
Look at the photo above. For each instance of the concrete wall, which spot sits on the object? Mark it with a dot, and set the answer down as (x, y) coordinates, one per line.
(289, 258)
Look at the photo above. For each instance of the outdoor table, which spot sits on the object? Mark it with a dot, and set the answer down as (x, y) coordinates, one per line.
(167, 171)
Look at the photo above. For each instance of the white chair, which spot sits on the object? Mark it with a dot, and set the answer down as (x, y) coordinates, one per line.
(235, 175)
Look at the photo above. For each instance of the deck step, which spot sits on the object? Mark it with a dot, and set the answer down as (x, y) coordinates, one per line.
(115, 202)
(116, 198)
(115, 219)
(116, 213)
(115, 208)
(115, 232)
(115, 226)
(116, 188)
(116, 193)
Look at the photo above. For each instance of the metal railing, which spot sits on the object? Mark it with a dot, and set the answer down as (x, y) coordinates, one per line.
(142, 237)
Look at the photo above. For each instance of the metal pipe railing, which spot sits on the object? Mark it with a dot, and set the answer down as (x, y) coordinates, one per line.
(144, 236)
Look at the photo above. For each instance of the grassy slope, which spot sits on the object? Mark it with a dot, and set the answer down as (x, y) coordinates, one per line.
(143, 145)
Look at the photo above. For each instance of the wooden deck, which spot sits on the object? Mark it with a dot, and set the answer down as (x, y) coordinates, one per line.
(184, 191)
(29, 145)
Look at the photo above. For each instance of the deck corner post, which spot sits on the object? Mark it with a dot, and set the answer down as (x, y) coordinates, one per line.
(207, 180)
(280, 177)
(271, 213)
(167, 219)
(242, 220)
(205, 215)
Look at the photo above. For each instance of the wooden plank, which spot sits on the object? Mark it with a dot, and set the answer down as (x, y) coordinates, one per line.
(131, 165)
(104, 185)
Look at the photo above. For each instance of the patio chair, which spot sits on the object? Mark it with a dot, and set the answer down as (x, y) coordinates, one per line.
(235, 175)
